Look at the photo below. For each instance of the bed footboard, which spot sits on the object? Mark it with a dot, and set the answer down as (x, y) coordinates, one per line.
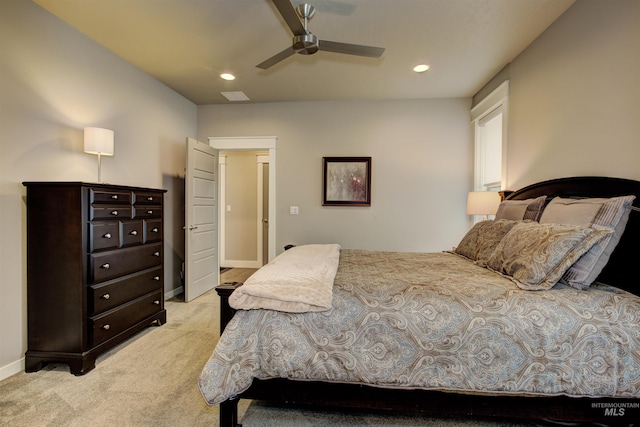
(229, 413)
(229, 409)
(226, 311)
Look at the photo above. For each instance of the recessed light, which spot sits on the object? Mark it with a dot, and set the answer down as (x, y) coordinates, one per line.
(227, 76)
(421, 68)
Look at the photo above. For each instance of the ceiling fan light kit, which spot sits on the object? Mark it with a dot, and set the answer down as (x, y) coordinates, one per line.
(305, 43)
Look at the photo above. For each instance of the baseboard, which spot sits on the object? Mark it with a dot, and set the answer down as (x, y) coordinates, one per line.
(241, 263)
(11, 369)
(174, 292)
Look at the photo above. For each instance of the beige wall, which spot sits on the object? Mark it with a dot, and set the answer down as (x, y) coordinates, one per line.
(53, 82)
(421, 168)
(575, 96)
(242, 196)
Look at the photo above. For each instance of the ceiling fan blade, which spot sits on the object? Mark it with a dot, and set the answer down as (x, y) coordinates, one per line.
(290, 16)
(276, 58)
(350, 49)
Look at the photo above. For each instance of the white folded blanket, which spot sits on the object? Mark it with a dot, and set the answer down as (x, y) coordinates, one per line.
(296, 281)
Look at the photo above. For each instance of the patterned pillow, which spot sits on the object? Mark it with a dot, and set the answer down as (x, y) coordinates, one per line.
(480, 242)
(535, 256)
(611, 213)
(521, 209)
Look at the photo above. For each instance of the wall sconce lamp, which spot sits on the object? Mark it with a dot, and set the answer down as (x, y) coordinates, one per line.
(483, 203)
(98, 141)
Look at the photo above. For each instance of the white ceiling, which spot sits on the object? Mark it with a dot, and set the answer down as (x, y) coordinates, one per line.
(186, 44)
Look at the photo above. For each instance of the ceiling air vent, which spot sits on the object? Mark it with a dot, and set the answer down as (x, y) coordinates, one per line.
(235, 96)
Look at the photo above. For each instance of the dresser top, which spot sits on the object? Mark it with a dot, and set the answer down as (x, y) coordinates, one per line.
(87, 184)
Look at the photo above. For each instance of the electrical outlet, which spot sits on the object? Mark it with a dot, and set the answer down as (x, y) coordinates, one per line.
(293, 210)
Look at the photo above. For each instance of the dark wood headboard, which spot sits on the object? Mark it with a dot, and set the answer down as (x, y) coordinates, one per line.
(623, 269)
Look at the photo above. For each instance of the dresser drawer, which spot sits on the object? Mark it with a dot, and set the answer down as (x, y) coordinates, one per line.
(111, 323)
(147, 211)
(98, 212)
(111, 197)
(142, 198)
(153, 230)
(108, 295)
(104, 235)
(132, 233)
(109, 265)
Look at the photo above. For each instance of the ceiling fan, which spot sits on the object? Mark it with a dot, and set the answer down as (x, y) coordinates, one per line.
(306, 43)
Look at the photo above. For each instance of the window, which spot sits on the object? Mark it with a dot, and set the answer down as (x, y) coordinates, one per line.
(490, 129)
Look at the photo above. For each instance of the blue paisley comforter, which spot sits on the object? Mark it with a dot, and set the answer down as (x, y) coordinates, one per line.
(438, 322)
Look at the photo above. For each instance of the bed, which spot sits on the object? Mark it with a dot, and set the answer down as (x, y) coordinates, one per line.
(487, 329)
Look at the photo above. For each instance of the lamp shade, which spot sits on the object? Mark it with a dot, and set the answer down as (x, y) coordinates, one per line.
(98, 141)
(483, 203)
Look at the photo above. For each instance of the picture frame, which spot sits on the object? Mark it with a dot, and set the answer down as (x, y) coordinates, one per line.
(346, 181)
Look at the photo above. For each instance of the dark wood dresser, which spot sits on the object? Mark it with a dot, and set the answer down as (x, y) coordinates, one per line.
(94, 269)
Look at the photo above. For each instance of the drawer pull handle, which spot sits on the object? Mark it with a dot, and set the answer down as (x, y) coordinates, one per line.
(134, 233)
(150, 212)
(150, 198)
(156, 278)
(156, 302)
(156, 254)
(106, 266)
(114, 197)
(106, 296)
(107, 235)
(114, 213)
(106, 327)
(155, 230)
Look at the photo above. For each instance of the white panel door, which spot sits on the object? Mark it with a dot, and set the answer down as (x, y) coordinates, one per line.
(202, 266)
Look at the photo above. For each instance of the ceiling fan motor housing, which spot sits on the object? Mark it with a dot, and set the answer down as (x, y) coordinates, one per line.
(305, 44)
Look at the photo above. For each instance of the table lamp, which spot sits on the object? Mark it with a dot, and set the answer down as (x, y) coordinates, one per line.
(483, 203)
(98, 141)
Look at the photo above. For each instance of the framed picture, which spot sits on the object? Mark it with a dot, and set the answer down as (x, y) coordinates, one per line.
(346, 181)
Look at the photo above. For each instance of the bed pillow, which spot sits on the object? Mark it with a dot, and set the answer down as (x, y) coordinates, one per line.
(480, 242)
(521, 209)
(535, 256)
(611, 213)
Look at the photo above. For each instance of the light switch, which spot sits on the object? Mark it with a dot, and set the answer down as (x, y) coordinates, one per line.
(293, 210)
(228, 208)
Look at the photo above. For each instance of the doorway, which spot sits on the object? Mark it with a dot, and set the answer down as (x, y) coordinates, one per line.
(266, 145)
(243, 212)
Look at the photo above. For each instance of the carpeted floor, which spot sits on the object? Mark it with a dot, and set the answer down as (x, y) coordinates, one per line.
(151, 380)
